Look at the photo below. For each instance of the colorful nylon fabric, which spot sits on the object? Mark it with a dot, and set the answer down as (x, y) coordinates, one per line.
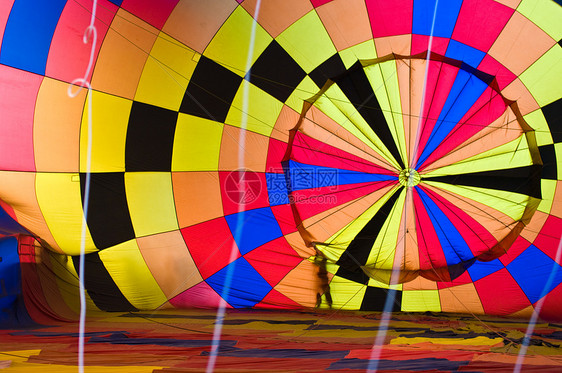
(304, 153)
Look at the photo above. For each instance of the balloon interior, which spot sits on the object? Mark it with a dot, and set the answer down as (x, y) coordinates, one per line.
(285, 155)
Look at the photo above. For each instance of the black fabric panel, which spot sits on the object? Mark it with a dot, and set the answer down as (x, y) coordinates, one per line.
(548, 156)
(356, 86)
(108, 217)
(100, 285)
(375, 298)
(356, 276)
(329, 69)
(150, 138)
(276, 73)
(358, 250)
(210, 91)
(523, 180)
(553, 114)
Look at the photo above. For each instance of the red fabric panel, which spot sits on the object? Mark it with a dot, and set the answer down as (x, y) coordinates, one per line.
(429, 247)
(440, 79)
(513, 252)
(69, 56)
(241, 196)
(500, 294)
(18, 93)
(275, 153)
(209, 244)
(549, 237)
(276, 300)
(273, 260)
(310, 202)
(478, 239)
(390, 18)
(311, 151)
(420, 43)
(552, 305)
(480, 22)
(503, 75)
(200, 296)
(485, 110)
(153, 12)
(284, 216)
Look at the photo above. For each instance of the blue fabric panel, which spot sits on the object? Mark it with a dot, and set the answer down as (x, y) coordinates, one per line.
(280, 353)
(429, 364)
(466, 89)
(277, 189)
(305, 176)
(126, 339)
(454, 247)
(9, 226)
(247, 287)
(482, 269)
(462, 52)
(535, 272)
(253, 228)
(445, 18)
(25, 47)
(116, 2)
(10, 274)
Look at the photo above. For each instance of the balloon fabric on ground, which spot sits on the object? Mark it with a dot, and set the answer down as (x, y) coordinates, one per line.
(301, 154)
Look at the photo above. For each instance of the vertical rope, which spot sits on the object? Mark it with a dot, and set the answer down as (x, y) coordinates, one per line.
(237, 234)
(90, 34)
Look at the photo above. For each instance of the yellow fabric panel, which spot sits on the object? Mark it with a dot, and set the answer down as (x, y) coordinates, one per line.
(335, 104)
(25, 367)
(538, 122)
(510, 204)
(125, 264)
(307, 41)
(558, 152)
(110, 117)
(151, 202)
(196, 144)
(231, 45)
(548, 188)
(384, 80)
(421, 300)
(339, 241)
(545, 14)
(507, 156)
(384, 249)
(262, 110)
(384, 285)
(304, 91)
(362, 51)
(544, 77)
(60, 201)
(166, 73)
(67, 281)
(477, 341)
(345, 294)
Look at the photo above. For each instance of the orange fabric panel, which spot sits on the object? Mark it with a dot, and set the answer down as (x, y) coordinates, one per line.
(197, 197)
(301, 284)
(520, 44)
(346, 21)
(276, 15)
(460, 299)
(18, 190)
(174, 272)
(123, 55)
(254, 147)
(195, 22)
(399, 44)
(56, 133)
